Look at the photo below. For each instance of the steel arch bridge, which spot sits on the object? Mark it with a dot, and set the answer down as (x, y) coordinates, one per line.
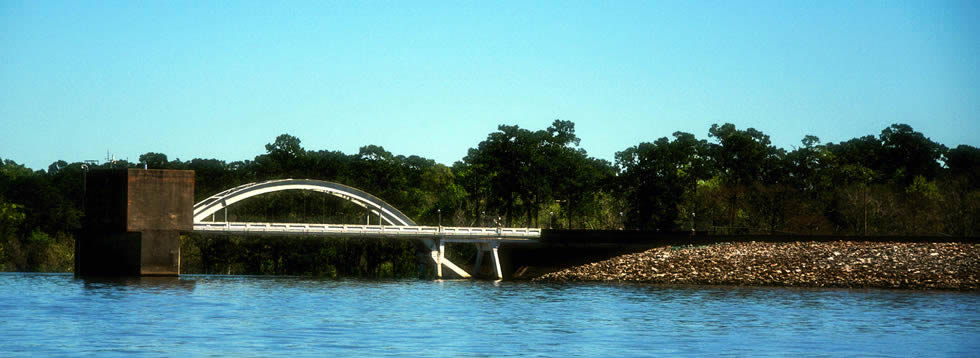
(222, 200)
(399, 225)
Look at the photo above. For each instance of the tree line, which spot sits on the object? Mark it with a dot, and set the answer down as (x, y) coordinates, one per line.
(734, 181)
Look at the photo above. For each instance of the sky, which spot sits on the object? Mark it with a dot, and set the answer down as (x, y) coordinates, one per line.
(220, 79)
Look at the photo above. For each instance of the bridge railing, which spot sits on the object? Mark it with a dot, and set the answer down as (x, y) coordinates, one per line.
(255, 228)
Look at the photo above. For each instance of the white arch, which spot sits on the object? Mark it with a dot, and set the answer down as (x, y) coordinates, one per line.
(393, 216)
(222, 200)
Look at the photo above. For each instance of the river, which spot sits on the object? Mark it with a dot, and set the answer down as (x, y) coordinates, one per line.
(60, 315)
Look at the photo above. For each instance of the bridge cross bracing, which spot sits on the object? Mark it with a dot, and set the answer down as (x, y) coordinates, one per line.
(400, 226)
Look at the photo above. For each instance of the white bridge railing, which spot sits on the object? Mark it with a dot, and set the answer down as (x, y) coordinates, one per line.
(447, 233)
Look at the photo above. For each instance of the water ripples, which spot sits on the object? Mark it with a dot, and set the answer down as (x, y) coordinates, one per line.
(60, 315)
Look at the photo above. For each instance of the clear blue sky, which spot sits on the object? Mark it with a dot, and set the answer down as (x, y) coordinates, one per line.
(219, 79)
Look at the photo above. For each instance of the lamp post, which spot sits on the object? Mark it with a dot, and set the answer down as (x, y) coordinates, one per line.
(440, 216)
(84, 185)
(84, 198)
(622, 224)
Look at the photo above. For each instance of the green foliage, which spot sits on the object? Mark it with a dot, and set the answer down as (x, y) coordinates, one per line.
(515, 172)
(655, 177)
(154, 160)
(963, 163)
(908, 154)
(285, 148)
(897, 183)
(49, 254)
(11, 216)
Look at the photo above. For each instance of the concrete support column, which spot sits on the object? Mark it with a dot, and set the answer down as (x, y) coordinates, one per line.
(442, 256)
(496, 260)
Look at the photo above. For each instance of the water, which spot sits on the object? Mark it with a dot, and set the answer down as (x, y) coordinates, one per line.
(60, 315)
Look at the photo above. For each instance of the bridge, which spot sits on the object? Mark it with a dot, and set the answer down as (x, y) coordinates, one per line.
(135, 217)
(392, 223)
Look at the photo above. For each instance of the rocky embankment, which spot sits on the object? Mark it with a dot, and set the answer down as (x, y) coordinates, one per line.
(803, 264)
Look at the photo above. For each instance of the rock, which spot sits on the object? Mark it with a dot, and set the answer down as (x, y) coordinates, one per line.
(815, 264)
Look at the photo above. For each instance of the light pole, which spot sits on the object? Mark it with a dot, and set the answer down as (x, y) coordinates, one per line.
(84, 198)
(84, 186)
(440, 216)
(622, 224)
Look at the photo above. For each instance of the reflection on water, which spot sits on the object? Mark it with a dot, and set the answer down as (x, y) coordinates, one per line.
(58, 315)
(159, 285)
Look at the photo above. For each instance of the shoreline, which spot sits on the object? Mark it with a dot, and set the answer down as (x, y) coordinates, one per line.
(836, 264)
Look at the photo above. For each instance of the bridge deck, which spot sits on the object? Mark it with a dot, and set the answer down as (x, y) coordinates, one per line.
(446, 233)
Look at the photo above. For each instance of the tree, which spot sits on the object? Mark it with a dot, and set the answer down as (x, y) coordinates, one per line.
(154, 160)
(898, 182)
(394, 179)
(961, 191)
(923, 202)
(562, 133)
(654, 178)
(284, 157)
(866, 152)
(502, 159)
(964, 161)
(908, 154)
(11, 217)
(805, 164)
(525, 170)
(743, 159)
(211, 176)
(566, 172)
(56, 167)
(444, 197)
(285, 147)
(329, 165)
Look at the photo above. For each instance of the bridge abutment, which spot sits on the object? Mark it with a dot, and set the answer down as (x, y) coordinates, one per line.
(133, 222)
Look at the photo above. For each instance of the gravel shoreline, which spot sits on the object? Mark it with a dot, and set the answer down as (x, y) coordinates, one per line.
(850, 264)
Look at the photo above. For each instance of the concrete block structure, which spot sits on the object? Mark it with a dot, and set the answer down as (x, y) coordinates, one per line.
(133, 222)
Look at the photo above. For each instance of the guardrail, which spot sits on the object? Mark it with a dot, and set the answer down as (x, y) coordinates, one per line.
(250, 228)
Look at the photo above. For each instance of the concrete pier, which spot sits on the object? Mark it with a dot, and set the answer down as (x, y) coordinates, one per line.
(133, 222)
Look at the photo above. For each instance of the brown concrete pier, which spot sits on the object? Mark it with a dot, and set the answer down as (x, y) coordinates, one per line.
(133, 222)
